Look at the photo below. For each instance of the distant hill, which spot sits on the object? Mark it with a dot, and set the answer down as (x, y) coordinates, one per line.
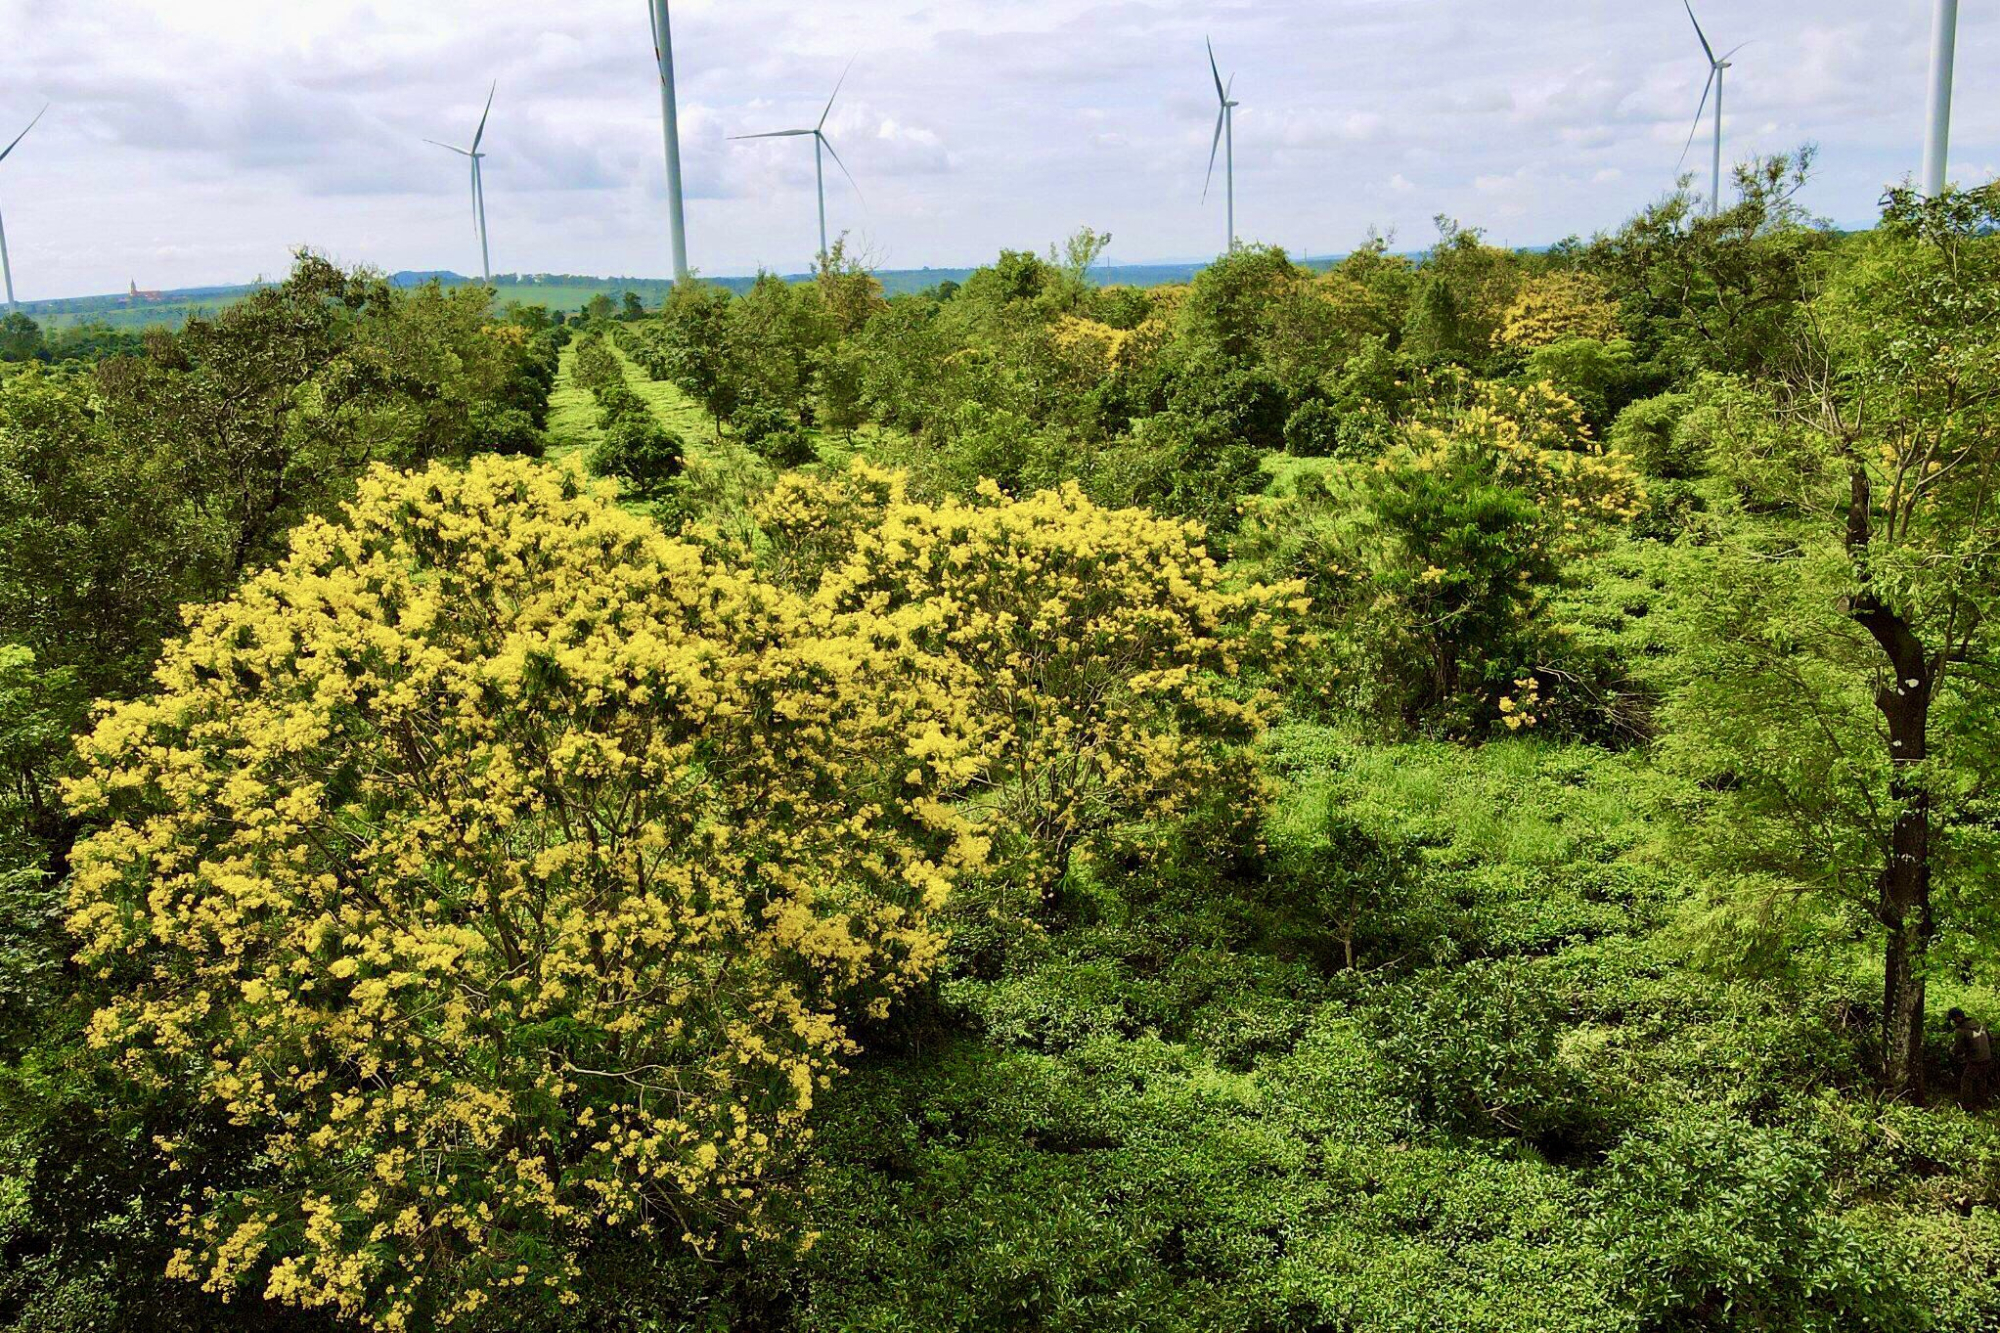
(557, 291)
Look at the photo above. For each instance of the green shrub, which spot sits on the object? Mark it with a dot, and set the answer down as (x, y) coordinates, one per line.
(1248, 406)
(642, 454)
(1593, 374)
(981, 443)
(506, 430)
(616, 402)
(791, 447)
(1715, 1223)
(1648, 431)
(1313, 430)
(596, 366)
(1190, 467)
(1339, 892)
(772, 435)
(1475, 1051)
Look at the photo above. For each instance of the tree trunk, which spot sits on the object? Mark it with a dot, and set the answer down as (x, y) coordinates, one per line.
(1903, 888)
(1904, 907)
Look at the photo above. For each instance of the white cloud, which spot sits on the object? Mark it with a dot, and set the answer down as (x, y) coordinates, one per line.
(197, 143)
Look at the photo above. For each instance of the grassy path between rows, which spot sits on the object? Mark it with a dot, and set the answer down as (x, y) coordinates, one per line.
(670, 406)
(572, 411)
(573, 424)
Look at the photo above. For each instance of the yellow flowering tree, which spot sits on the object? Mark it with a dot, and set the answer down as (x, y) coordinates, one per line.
(1470, 520)
(1087, 350)
(1098, 656)
(1552, 307)
(509, 868)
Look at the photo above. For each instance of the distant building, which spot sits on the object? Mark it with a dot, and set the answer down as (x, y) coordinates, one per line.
(133, 296)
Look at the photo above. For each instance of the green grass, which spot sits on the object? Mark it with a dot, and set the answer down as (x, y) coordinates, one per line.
(670, 406)
(572, 411)
(171, 315)
(868, 437)
(567, 296)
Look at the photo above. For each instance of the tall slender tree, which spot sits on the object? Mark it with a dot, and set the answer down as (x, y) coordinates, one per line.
(1843, 680)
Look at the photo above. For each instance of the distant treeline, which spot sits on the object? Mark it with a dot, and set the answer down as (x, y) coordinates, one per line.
(556, 291)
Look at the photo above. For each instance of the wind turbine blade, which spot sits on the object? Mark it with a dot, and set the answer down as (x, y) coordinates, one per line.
(480, 133)
(1696, 127)
(774, 134)
(1734, 49)
(1213, 144)
(24, 133)
(450, 148)
(1698, 32)
(825, 142)
(1228, 90)
(836, 92)
(475, 196)
(1215, 73)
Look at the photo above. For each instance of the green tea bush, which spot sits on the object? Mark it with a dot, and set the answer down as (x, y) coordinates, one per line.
(616, 402)
(1715, 1223)
(596, 366)
(772, 435)
(1475, 1052)
(507, 430)
(1595, 375)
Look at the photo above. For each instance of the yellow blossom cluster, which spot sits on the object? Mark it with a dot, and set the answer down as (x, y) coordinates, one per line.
(1156, 332)
(1096, 346)
(508, 868)
(1098, 657)
(1517, 710)
(1534, 439)
(1544, 416)
(1551, 307)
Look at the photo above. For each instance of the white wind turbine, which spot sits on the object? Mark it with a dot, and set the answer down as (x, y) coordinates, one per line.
(1937, 138)
(1225, 137)
(1716, 64)
(820, 141)
(478, 189)
(7, 269)
(670, 126)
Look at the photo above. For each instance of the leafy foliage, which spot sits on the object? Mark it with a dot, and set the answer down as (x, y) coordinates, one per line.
(1092, 650)
(468, 844)
(1432, 792)
(641, 453)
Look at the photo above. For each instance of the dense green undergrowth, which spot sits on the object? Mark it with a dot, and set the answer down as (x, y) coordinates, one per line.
(1526, 1106)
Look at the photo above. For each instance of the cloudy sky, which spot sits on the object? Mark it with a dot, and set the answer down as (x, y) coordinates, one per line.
(200, 141)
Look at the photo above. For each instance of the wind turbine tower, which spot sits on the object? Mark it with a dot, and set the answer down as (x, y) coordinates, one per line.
(1716, 64)
(670, 127)
(1944, 40)
(1225, 137)
(6, 268)
(473, 155)
(820, 142)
